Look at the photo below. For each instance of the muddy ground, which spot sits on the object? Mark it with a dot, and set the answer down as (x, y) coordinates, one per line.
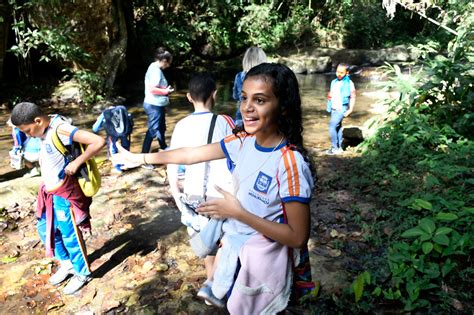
(139, 254)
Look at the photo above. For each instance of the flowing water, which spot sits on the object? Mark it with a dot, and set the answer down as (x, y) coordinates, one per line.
(313, 87)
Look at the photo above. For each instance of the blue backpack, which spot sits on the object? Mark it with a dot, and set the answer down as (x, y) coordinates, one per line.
(118, 122)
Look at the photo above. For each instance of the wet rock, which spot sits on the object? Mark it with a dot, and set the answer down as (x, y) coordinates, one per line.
(297, 66)
(352, 133)
(318, 64)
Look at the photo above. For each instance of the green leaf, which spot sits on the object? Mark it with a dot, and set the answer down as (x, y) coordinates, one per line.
(423, 204)
(9, 259)
(446, 216)
(377, 291)
(358, 287)
(413, 232)
(425, 237)
(441, 240)
(427, 247)
(438, 248)
(443, 230)
(427, 225)
(367, 278)
(469, 210)
(447, 267)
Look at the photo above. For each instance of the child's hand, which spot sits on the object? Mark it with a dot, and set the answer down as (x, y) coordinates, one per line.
(128, 159)
(222, 208)
(71, 168)
(347, 113)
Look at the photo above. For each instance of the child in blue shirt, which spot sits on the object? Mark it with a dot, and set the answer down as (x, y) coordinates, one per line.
(118, 125)
(341, 101)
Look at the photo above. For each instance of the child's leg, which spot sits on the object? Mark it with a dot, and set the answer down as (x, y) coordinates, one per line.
(60, 251)
(209, 264)
(71, 236)
(335, 127)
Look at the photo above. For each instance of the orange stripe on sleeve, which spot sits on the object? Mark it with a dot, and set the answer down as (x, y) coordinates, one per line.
(230, 138)
(296, 176)
(289, 175)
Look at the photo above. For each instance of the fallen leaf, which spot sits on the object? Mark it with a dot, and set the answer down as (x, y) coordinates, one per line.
(162, 267)
(8, 259)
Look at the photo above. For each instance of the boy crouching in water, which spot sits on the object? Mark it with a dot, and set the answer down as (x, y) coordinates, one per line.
(63, 209)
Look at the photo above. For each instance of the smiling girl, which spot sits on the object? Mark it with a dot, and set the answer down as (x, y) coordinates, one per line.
(272, 184)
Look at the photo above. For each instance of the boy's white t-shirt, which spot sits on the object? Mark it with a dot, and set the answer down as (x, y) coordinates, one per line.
(51, 161)
(193, 131)
(264, 178)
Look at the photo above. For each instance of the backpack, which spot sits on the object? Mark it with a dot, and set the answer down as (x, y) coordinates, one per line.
(88, 174)
(117, 121)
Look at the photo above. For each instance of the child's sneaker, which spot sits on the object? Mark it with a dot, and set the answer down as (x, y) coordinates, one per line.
(205, 293)
(116, 169)
(75, 284)
(64, 271)
(148, 166)
(334, 151)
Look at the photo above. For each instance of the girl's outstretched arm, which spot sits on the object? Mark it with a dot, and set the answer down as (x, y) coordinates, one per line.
(294, 234)
(184, 156)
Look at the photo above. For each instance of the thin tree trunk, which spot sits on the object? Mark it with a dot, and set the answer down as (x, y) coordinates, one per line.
(117, 52)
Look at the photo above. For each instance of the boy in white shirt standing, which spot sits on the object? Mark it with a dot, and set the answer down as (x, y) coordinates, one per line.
(200, 128)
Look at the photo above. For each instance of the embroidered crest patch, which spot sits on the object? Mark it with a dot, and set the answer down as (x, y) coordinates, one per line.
(262, 183)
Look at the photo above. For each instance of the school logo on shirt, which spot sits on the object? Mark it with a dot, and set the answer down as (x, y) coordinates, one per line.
(262, 183)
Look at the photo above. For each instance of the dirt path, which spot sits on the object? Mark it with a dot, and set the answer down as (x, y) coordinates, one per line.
(140, 255)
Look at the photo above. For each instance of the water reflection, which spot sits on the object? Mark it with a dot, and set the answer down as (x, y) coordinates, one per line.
(313, 87)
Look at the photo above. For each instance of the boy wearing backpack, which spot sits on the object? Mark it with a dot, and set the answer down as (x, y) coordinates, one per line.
(118, 125)
(62, 207)
(199, 128)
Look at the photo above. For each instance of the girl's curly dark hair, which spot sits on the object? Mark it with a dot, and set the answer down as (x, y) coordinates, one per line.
(286, 89)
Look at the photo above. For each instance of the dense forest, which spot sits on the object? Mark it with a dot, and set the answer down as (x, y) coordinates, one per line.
(420, 158)
(98, 43)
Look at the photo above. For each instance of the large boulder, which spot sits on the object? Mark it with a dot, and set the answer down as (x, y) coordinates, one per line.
(398, 53)
(318, 64)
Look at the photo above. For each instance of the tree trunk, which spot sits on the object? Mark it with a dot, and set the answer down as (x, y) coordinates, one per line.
(116, 54)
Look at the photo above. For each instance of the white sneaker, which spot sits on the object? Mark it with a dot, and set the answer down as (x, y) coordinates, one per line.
(64, 271)
(148, 166)
(334, 151)
(205, 293)
(75, 284)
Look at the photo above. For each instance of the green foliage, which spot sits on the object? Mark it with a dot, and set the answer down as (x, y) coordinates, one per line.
(268, 28)
(423, 159)
(91, 86)
(52, 45)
